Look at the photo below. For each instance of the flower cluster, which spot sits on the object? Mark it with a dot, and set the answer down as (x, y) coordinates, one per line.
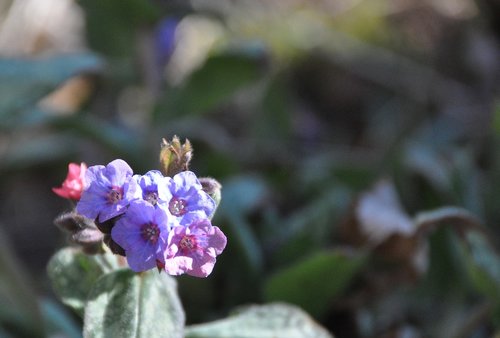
(156, 220)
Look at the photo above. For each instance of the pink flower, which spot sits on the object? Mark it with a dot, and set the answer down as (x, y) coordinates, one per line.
(193, 249)
(74, 183)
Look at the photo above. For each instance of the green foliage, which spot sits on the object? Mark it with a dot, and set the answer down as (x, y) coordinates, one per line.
(19, 308)
(213, 84)
(112, 25)
(266, 321)
(126, 304)
(73, 274)
(333, 99)
(24, 82)
(314, 282)
(22, 313)
(241, 196)
(484, 266)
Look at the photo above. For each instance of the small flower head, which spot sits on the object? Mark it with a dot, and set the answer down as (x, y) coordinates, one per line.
(187, 200)
(72, 186)
(149, 186)
(193, 249)
(142, 232)
(108, 191)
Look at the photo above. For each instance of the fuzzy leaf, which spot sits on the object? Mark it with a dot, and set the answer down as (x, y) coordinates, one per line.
(126, 304)
(73, 273)
(314, 282)
(266, 321)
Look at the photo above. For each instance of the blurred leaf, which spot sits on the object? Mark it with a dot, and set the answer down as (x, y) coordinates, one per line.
(273, 123)
(240, 195)
(496, 117)
(484, 265)
(73, 274)
(243, 194)
(459, 218)
(312, 226)
(314, 282)
(25, 81)
(59, 322)
(426, 161)
(34, 151)
(262, 321)
(111, 24)
(212, 85)
(115, 137)
(126, 304)
(18, 303)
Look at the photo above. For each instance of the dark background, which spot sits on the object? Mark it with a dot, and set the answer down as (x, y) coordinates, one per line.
(297, 107)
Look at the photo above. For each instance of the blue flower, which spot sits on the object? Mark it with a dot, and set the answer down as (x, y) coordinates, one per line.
(143, 233)
(165, 40)
(193, 249)
(186, 199)
(108, 191)
(149, 184)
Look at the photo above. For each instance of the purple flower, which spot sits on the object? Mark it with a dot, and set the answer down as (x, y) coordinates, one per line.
(187, 201)
(149, 184)
(165, 40)
(142, 232)
(192, 249)
(108, 191)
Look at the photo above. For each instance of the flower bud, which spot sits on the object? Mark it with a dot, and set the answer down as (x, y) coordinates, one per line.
(82, 230)
(72, 222)
(213, 188)
(73, 185)
(87, 236)
(175, 156)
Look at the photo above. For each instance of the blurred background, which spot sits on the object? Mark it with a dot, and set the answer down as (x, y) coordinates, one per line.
(342, 132)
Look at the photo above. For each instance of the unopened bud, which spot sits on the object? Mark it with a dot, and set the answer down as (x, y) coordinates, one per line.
(213, 188)
(175, 156)
(89, 239)
(87, 236)
(72, 221)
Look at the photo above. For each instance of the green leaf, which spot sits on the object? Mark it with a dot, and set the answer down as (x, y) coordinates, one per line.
(242, 195)
(111, 24)
(19, 311)
(213, 84)
(459, 218)
(314, 282)
(496, 116)
(126, 304)
(483, 265)
(57, 321)
(272, 125)
(114, 137)
(25, 81)
(32, 152)
(266, 321)
(73, 274)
